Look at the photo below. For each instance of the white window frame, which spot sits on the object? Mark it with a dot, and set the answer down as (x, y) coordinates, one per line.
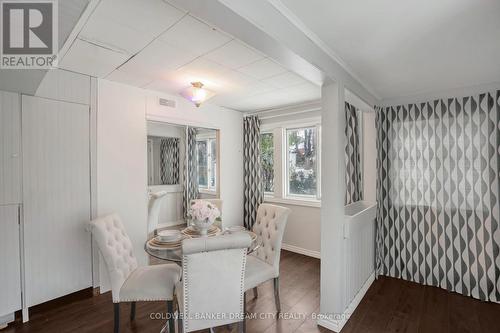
(208, 189)
(281, 163)
(266, 193)
(286, 164)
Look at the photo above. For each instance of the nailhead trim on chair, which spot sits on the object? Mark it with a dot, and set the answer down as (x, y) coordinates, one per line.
(242, 284)
(185, 292)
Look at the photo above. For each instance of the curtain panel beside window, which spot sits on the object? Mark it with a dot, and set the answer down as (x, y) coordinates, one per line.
(190, 171)
(169, 161)
(438, 192)
(253, 192)
(353, 168)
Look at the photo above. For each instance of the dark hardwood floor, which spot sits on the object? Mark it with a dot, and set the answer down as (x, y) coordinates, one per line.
(390, 305)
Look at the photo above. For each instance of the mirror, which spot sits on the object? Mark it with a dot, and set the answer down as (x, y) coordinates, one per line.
(183, 165)
(207, 162)
(165, 153)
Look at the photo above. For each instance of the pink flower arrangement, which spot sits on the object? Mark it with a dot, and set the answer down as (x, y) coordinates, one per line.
(204, 211)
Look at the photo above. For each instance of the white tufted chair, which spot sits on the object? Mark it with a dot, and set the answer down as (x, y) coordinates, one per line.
(212, 282)
(130, 283)
(264, 264)
(217, 203)
(154, 206)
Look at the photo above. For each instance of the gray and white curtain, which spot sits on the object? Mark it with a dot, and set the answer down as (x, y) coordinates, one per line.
(438, 192)
(354, 185)
(253, 193)
(190, 170)
(169, 161)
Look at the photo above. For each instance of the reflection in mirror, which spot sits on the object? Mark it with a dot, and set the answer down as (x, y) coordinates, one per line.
(206, 150)
(183, 165)
(163, 160)
(166, 154)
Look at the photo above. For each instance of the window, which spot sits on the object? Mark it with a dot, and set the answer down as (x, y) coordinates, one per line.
(302, 167)
(206, 150)
(267, 161)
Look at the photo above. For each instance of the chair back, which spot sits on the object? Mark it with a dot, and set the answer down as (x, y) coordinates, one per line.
(270, 226)
(116, 248)
(155, 201)
(213, 280)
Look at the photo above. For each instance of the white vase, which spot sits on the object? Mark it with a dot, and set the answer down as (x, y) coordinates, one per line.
(202, 226)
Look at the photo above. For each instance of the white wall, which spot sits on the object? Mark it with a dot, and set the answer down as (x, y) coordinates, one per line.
(303, 230)
(302, 216)
(122, 162)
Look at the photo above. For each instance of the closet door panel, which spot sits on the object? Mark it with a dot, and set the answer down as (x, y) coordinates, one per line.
(56, 194)
(10, 271)
(10, 151)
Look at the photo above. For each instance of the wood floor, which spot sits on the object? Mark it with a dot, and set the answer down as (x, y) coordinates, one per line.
(390, 305)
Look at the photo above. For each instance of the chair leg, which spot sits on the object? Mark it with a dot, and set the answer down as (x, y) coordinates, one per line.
(242, 327)
(277, 294)
(180, 328)
(255, 292)
(132, 311)
(117, 317)
(170, 316)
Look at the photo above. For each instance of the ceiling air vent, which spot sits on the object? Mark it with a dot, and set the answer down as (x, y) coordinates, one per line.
(167, 102)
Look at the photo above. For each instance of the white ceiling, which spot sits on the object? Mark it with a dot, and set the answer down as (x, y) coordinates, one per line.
(401, 48)
(153, 45)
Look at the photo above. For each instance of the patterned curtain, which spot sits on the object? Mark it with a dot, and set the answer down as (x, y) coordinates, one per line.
(438, 192)
(169, 161)
(354, 184)
(253, 193)
(190, 170)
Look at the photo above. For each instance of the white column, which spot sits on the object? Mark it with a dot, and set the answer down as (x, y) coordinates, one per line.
(332, 205)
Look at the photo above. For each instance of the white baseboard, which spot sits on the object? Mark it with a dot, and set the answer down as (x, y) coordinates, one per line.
(300, 250)
(337, 325)
(5, 320)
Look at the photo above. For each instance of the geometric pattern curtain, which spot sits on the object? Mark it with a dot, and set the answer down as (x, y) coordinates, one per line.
(169, 161)
(190, 170)
(438, 188)
(354, 185)
(253, 193)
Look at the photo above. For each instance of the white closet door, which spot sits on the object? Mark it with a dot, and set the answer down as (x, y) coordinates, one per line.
(10, 137)
(56, 194)
(10, 266)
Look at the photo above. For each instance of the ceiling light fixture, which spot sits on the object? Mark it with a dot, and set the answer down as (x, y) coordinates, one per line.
(197, 94)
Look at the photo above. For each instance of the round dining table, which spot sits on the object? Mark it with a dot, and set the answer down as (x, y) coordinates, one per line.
(175, 254)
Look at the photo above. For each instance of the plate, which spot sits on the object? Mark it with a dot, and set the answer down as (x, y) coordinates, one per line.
(158, 245)
(168, 236)
(192, 232)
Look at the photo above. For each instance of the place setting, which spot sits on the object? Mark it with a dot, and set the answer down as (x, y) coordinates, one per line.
(167, 239)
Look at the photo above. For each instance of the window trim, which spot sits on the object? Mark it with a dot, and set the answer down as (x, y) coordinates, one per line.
(286, 164)
(267, 193)
(208, 189)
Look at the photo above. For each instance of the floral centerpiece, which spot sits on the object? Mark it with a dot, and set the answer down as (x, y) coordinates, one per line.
(203, 214)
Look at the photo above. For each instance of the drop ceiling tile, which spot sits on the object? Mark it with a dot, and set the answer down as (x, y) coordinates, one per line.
(132, 79)
(90, 59)
(203, 66)
(284, 80)
(166, 86)
(234, 55)
(195, 36)
(129, 25)
(157, 60)
(262, 69)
